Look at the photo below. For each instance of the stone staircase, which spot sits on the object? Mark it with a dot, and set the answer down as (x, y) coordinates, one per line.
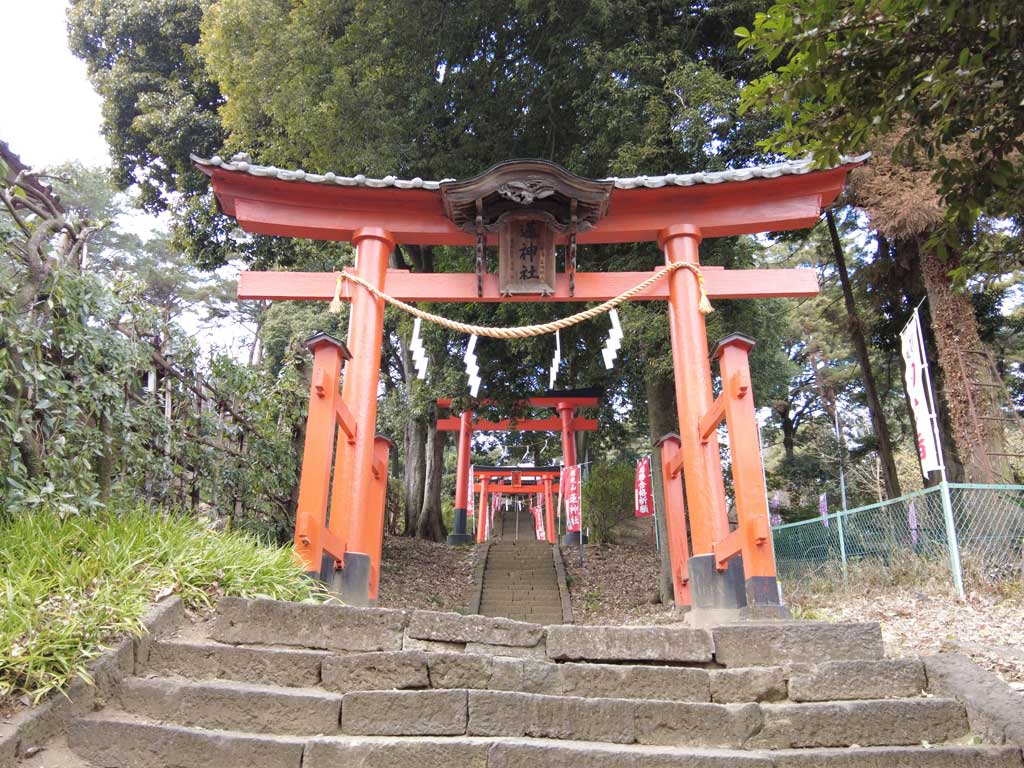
(268, 684)
(520, 582)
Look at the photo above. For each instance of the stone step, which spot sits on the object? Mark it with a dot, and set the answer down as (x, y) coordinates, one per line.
(831, 681)
(890, 722)
(115, 740)
(226, 705)
(123, 743)
(339, 628)
(210, 660)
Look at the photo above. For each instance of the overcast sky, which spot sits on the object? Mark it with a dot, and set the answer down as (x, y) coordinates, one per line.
(50, 113)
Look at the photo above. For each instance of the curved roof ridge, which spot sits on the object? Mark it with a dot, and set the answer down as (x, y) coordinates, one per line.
(242, 162)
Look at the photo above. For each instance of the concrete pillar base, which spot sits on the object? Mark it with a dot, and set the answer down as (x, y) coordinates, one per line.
(355, 579)
(459, 536)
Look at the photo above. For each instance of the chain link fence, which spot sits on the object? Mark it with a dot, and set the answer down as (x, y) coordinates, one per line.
(983, 543)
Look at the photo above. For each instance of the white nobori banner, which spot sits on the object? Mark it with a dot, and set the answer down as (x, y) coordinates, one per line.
(917, 380)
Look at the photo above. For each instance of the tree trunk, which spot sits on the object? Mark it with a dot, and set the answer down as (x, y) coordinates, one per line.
(430, 524)
(855, 328)
(788, 436)
(414, 472)
(661, 419)
(970, 394)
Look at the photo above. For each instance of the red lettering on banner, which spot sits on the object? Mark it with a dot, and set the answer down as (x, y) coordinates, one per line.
(643, 492)
(573, 503)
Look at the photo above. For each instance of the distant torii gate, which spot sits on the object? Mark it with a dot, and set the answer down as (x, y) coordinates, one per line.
(522, 481)
(527, 208)
(566, 403)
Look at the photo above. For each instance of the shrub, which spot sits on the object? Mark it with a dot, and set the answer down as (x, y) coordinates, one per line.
(70, 585)
(607, 500)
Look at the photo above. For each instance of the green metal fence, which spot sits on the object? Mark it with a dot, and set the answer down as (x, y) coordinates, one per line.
(984, 539)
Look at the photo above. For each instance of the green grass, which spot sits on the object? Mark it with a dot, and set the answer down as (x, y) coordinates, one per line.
(69, 587)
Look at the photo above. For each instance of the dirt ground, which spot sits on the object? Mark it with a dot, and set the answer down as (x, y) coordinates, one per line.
(425, 574)
(616, 586)
(986, 627)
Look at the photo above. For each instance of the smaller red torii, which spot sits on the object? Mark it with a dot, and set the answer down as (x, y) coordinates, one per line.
(522, 481)
(565, 402)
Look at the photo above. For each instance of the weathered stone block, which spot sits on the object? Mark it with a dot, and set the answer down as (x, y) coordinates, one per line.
(431, 646)
(632, 682)
(124, 744)
(332, 627)
(404, 713)
(940, 756)
(732, 686)
(160, 619)
(232, 706)
(460, 670)
(505, 713)
(890, 722)
(514, 651)
(628, 643)
(395, 753)
(205, 661)
(695, 724)
(811, 642)
(838, 680)
(521, 754)
(995, 711)
(375, 671)
(456, 628)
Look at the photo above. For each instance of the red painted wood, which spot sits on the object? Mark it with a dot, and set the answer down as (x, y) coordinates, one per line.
(538, 402)
(590, 286)
(553, 424)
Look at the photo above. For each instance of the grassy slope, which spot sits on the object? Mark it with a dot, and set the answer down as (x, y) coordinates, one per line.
(68, 587)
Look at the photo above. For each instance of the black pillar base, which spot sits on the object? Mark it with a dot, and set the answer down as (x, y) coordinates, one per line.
(725, 597)
(714, 589)
(355, 579)
(572, 539)
(459, 536)
(762, 590)
(326, 574)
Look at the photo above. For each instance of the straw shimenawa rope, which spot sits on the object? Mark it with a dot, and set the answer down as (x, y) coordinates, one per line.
(526, 331)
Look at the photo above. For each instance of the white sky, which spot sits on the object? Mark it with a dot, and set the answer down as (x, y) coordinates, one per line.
(49, 114)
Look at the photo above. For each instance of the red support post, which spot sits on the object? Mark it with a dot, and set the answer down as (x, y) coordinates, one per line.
(549, 512)
(675, 519)
(566, 412)
(354, 476)
(378, 507)
(462, 505)
(747, 471)
(482, 517)
(702, 465)
(329, 355)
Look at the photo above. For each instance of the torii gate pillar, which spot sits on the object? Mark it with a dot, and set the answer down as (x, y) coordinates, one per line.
(716, 585)
(353, 492)
(463, 492)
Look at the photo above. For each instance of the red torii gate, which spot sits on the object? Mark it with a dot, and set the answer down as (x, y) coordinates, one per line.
(517, 485)
(677, 211)
(566, 404)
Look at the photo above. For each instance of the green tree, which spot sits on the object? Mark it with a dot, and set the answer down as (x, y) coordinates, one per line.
(943, 78)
